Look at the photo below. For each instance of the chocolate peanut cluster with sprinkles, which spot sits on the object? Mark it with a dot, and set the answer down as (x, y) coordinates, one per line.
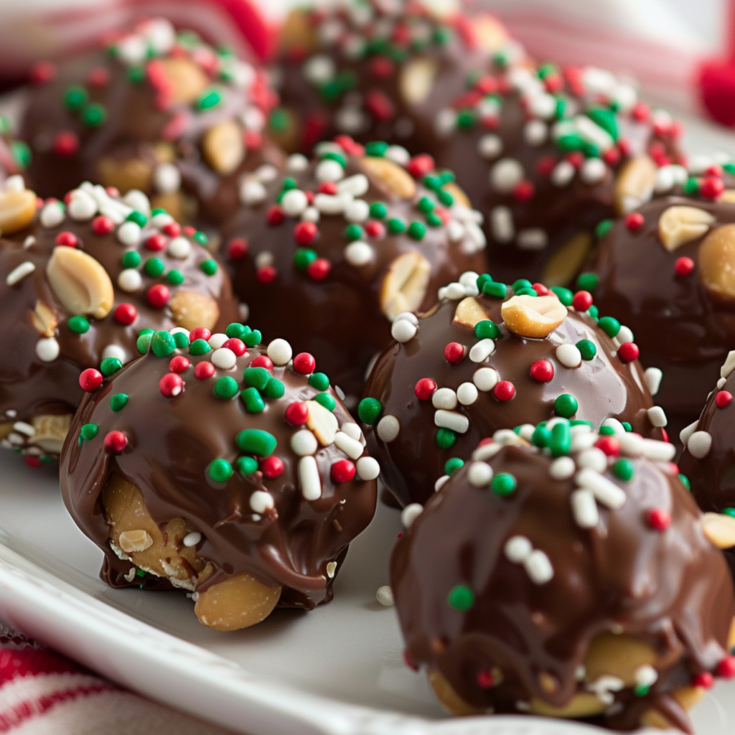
(81, 282)
(666, 270)
(377, 69)
(708, 459)
(491, 356)
(155, 110)
(220, 466)
(546, 154)
(567, 573)
(328, 254)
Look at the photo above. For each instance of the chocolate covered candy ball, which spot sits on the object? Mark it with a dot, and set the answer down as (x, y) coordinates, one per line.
(573, 577)
(81, 284)
(377, 70)
(666, 270)
(546, 154)
(155, 110)
(491, 356)
(224, 468)
(331, 252)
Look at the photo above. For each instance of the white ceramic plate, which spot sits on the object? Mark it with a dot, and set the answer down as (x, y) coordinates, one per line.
(336, 671)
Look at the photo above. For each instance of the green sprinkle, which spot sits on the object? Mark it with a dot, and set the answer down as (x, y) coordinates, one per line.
(220, 470)
(199, 347)
(527, 292)
(226, 387)
(88, 432)
(118, 401)
(21, 154)
(627, 426)
(200, 238)
(561, 439)
(110, 365)
(163, 344)
(609, 325)
(503, 484)
(487, 329)
(396, 226)
(304, 257)
(586, 348)
(369, 410)
(566, 405)
(143, 343)
(79, 324)
(136, 74)
(354, 232)
(319, 381)
(685, 481)
(497, 290)
(606, 119)
(154, 267)
(729, 512)
(75, 97)
(257, 377)
(334, 156)
(208, 267)
(93, 115)
(603, 228)
(425, 205)
(274, 389)
(208, 99)
(251, 398)
(443, 35)
(445, 438)
(175, 277)
(461, 597)
(594, 312)
(253, 338)
(138, 217)
(377, 148)
(326, 400)
(288, 184)
(432, 182)
(247, 465)
(417, 230)
(570, 142)
(378, 210)
(541, 437)
(623, 469)
(279, 120)
(445, 198)
(607, 431)
(452, 465)
(466, 119)
(131, 259)
(181, 339)
(482, 280)
(691, 187)
(521, 283)
(641, 690)
(256, 441)
(588, 281)
(235, 330)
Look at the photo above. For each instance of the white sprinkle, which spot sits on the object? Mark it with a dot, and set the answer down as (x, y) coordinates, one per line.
(455, 230)
(357, 211)
(480, 474)
(721, 383)
(252, 192)
(161, 219)
(687, 431)
(279, 351)
(224, 358)
(319, 69)
(217, 340)
(593, 171)
(501, 222)
(403, 331)
(264, 259)
(297, 162)
(490, 146)
(388, 428)
(367, 468)
(481, 350)
(330, 204)
(11, 413)
(267, 172)
(308, 471)
(359, 253)
(593, 458)
(24, 428)
(192, 539)
(615, 425)
(329, 170)
(356, 185)
(29, 242)
(310, 214)
(518, 549)
(658, 451)
(454, 291)
(538, 567)
(179, 248)
(409, 316)
(47, 349)
(624, 335)
(604, 686)
(166, 178)
(331, 569)
(261, 502)
(485, 378)
(562, 468)
(129, 233)
(410, 513)
(294, 202)
(657, 416)
(535, 133)
(398, 154)
(115, 351)
(444, 398)
(505, 175)
(532, 239)
(351, 447)
(584, 508)
(82, 206)
(51, 215)
(440, 483)
(467, 394)
(384, 596)
(604, 490)
(729, 365)
(352, 430)
(444, 122)
(303, 442)
(653, 379)
(699, 444)
(631, 444)
(451, 420)
(569, 355)
(130, 280)
(562, 174)
(20, 272)
(645, 676)
(15, 183)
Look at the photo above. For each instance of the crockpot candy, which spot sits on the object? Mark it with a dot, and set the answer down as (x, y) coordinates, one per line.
(376, 69)
(80, 281)
(572, 576)
(666, 270)
(546, 154)
(708, 459)
(219, 466)
(330, 253)
(492, 356)
(154, 110)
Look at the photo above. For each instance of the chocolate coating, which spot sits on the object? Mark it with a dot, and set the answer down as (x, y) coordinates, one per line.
(530, 625)
(140, 114)
(31, 386)
(604, 387)
(172, 442)
(683, 324)
(341, 304)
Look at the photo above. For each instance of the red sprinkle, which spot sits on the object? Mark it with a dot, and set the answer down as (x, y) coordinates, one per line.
(342, 471)
(349, 145)
(172, 229)
(170, 385)
(125, 314)
(271, 467)
(628, 351)
(158, 296)
(658, 519)
(31, 461)
(711, 187)
(99, 76)
(704, 680)
(236, 345)
(318, 269)
(262, 361)
(420, 165)
(381, 66)
(379, 105)
(374, 229)
(305, 232)
(115, 442)
(102, 225)
(42, 72)
(504, 390)
(296, 413)
(65, 143)
(275, 215)
(304, 363)
(179, 364)
(155, 242)
(523, 191)
(485, 679)
(634, 221)
(542, 371)
(327, 187)
(68, 239)
(611, 156)
(407, 658)
(683, 266)
(267, 274)
(609, 445)
(424, 389)
(90, 380)
(726, 668)
(582, 300)
(200, 333)
(237, 248)
(455, 352)
(723, 398)
(540, 289)
(203, 370)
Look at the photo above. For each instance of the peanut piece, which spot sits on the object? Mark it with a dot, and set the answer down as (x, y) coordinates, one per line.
(80, 282)
(634, 184)
(390, 176)
(186, 78)
(223, 147)
(532, 317)
(322, 422)
(448, 698)
(719, 529)
(567, 261)
(51, 431)
(297, 33)
(192, 309)
(236, 603)
(681, 224)
(491, 34)
(717, 261)
(469, 312)
(404, 286)
(125, 174)
(417, 80)
(44, 320)
(17, 209)
(138, 540)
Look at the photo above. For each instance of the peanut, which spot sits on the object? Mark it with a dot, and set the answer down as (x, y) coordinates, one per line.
(469, 312)
(390, 176)
(297, 33)
(192, 309)
(404, 286)
(535, 317)
(125, 174)
(322, 422)
(491, 34)
(17, 209)
(51, 430)
(223, 147)
(131, 541)
(417, 80)
(80, 282)
(44, 320)
(679, 225)
(717, 261)
(719, 529)
(567, 261)
(634, 184)
(186, 78)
